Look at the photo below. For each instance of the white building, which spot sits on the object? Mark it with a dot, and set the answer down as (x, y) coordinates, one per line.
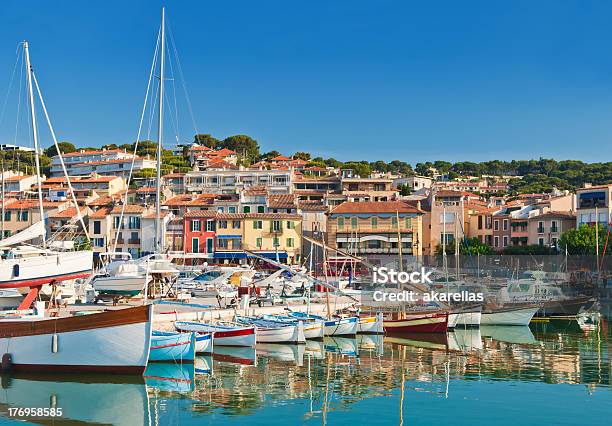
(593, 205)
(233, 181)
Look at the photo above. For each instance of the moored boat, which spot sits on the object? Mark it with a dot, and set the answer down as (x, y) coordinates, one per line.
(418, 323)
(313, 329)
(203, 343)
(172, 346)
(275, 332)
(371, 324)
(333, 326)
(518, 316)
(112, 342)
(465, 317)
(223, 335)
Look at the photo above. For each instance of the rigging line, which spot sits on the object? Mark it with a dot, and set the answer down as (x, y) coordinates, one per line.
(152, 108)
(182, 77)
(10, 86)
(142, 115)
(172, 122)
(176, 134)
(19, 96)
(61, 157)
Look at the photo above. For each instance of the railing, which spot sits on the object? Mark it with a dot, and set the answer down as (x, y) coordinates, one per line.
(134, 241)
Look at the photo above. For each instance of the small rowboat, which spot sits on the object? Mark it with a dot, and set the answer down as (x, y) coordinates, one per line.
(172, 346)
(223, 335)
(204, 343)
(418, 323)
(333, 327)
(275, 332)
(313, 329)
(371, 325)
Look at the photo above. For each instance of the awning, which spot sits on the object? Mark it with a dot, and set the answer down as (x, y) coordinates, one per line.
(229, 237)
(242, 255)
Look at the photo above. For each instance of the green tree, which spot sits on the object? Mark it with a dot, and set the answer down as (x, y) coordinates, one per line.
(244, 145)
(404, 190)
(207, 140)
(362, 169)
(302, 156)
(65, 148)
(582, 240)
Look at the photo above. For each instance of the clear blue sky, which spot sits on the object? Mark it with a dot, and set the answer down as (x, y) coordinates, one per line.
(415, 81)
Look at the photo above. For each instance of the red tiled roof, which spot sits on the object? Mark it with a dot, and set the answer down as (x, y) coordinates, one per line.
(555, 214)
(17, 178)
(101, 213)
(92, 152)
(281, 201)
(281, 158)
(375, 207)
(68, 213)
(29, 204)
(224, 152)
(130, 208)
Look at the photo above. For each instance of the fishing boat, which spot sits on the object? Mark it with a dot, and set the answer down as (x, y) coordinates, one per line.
(334, 326)
(172, 346)
(223, 334)
(111, 342)
(465, 317)
(418, 323)
(121, 279)
(10, 298)
(204, 343)
(275, 332)
(509, 315)
(313, 329)
(371, 324)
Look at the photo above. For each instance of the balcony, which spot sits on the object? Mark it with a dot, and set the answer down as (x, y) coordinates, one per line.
(134, 241)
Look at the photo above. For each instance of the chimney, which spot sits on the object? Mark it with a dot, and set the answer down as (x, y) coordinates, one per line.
(588, 184)
(419, 204)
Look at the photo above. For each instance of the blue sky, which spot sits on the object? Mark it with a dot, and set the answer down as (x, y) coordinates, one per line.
(415, 81)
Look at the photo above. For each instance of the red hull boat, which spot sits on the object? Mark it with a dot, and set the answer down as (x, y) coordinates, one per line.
(418, 323)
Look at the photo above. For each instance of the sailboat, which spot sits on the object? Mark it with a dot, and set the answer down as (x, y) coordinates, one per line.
(26, 266)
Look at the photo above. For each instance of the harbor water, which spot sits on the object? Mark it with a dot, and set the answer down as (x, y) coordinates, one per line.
(549, 373)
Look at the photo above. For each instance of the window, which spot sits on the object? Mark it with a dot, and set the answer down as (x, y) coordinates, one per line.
(98, 242)
(220, 209)
(554, 243)
(541, 242)
(496, 226)
(222, 243)
(24, 216)
(496, 241)
(408, 223)
(479, 222)
(505, 224)
(290, 224)
(553, 226)
(97, 226)
(505, 241)
(259, 242)
(116, 222)
(7, 215)
(340, 222)
(210, 245)
(447, 238)
(394, 222)
(211, 225)
(195, 245)
(374, 222)
(447, 218)
(257, 224)
(231, 209)
(276, 242)
(246, 209)
(540, 227)
(261, 209)
(134, 222)
(236, 224)
(276, 226)
(7, 234)
(354, 222)
(289, 242)
(195, 225)
(223, 224)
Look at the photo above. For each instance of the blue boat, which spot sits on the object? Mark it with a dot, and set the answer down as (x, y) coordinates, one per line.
(172, 346)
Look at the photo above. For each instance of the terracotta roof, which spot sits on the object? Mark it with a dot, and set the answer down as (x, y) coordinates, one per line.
(101, 201)
(29, 204)
(298, 162)
(281, 158)
(200, 148)
(608, 185)
(311, 206)
(92, 152)
(256, 190)
(68, 213)
(146, 190)
(130, 208)
(224, 152)
(375, 207)
(452, 193)
(153, 215)
(117, 160)
(100, 213)
(281, 201)
(200, 213)
(555, 214)
(17, 178)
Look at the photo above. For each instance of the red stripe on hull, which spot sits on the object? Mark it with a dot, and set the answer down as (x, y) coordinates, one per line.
(41, 281)
(233, 333)
(106, 369)
(411, 324)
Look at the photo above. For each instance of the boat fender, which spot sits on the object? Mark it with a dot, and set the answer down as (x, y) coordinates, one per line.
(15, 270)
(54, 343)
(7, 362)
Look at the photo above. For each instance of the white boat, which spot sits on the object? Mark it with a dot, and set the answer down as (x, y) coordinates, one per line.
(27, 266)
(10, 298)
(112, 342)
(509, 316)
(371, 325)
(293, 334)
(203, 343)
(313, 329)
(223, 335)
(341, 326)
(172, 346)
(466, 317)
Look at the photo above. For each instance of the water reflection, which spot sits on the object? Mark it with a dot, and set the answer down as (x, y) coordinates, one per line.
(344, 379)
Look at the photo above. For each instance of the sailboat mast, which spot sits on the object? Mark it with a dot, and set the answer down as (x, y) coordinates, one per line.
(159, 241)
(34, 135)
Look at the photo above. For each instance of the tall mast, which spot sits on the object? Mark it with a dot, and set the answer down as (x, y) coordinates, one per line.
(159, 240)
(34, 135)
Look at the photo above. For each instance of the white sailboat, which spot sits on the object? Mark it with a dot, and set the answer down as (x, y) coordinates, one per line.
(26, 266)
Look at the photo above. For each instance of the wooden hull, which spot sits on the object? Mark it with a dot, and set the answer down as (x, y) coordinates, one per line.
(371, 325)
(342, 327)
(222, 335)
(172, 347)
(505, 316)
(292, 334)
(425, 323)
(112, 342)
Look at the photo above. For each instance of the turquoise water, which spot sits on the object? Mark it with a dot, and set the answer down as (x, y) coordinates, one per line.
(547, 374)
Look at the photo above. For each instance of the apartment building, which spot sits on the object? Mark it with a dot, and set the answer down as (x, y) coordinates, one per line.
(376, 228)
(368, 189)
(17, 185)
(21, 214)
(102, 185)
(545, 229)
(106, 225)
(233, 181)
(416, 183)
(199, 232)
(593, 205)
(75, 160)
